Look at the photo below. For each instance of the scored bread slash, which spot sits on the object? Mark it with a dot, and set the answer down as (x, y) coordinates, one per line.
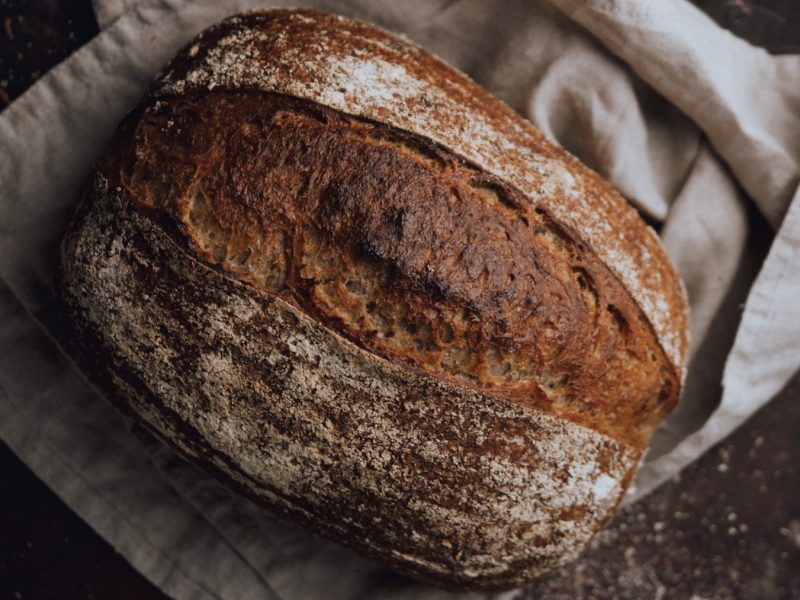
(362, 70)
(340, 276)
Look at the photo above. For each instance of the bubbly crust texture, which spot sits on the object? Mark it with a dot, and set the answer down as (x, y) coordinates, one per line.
(362, 70)
(401, 247)
(339, 275)
(449, 485)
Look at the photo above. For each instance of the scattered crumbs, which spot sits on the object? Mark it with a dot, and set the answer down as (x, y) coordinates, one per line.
(630, 551)
(792, 532)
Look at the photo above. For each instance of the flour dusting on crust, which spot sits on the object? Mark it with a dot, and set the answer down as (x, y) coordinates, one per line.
(436, 480)
(361, 70)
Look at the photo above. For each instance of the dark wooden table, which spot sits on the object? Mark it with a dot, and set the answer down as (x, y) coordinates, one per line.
(729, 527)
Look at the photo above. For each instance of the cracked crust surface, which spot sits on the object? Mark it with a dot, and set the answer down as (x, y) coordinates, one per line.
(401, 247)
(439, 481)
(339, 275)
(364, 71)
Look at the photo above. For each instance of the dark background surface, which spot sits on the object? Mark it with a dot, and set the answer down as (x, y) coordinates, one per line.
(729, 527)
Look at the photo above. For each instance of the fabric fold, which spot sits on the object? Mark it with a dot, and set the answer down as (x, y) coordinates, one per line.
(691, 124)
(744, 99)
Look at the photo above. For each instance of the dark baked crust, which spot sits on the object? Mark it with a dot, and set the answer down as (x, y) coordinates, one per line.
(446, 356)
(363, 71)
(449, 485)
(403, 248)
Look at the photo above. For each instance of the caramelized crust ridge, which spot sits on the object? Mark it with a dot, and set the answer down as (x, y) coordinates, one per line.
(401, 246)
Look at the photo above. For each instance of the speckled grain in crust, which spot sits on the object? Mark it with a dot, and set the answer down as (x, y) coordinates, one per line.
(339, 275)
(402, 248)
(456, 487)
(362, 70)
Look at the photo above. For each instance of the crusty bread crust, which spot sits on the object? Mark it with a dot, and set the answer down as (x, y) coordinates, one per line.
(402, 248)
(362, 70)
(438, 481)
(336, 273)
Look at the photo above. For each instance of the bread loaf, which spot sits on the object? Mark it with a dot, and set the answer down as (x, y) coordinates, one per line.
(342, 277)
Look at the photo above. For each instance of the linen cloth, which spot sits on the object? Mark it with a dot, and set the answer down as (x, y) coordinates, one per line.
(698, 129)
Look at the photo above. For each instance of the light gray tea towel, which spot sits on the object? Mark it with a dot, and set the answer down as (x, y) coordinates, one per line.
(696, 128)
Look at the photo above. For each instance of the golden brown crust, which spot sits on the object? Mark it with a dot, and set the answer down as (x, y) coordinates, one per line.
(402, 248)
(364, 71)
(434, 479)
(337, 273)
